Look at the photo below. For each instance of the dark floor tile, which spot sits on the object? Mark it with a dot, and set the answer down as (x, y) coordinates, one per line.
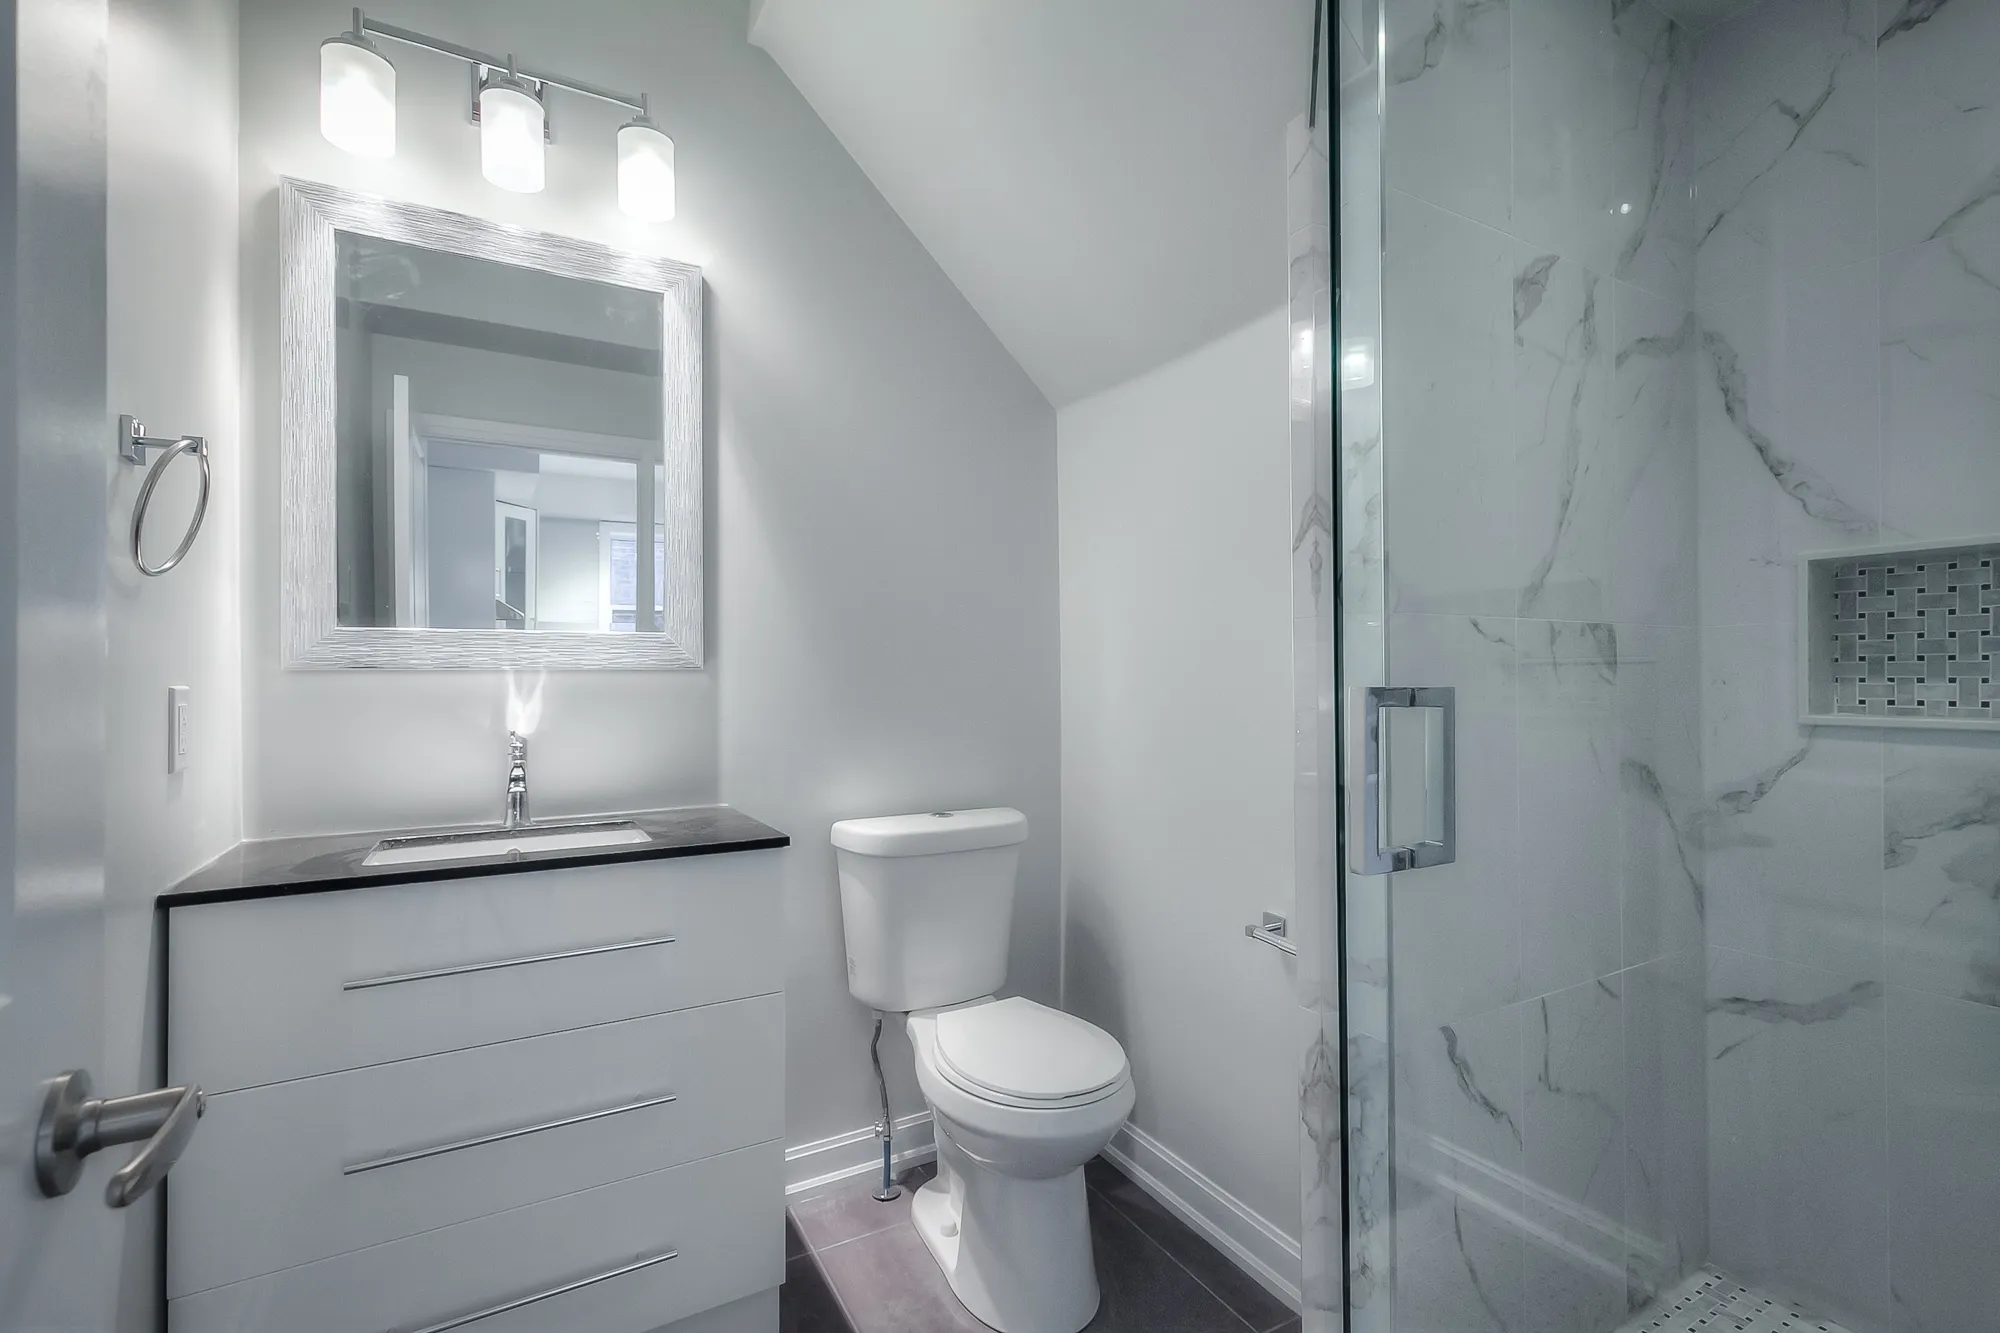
(850, 1210)
(889, 1283)
(806, 1304)
(1143, 1290)
(1101, 1175)
(1210, 1266)
(795, 1244)
(1291, 1325)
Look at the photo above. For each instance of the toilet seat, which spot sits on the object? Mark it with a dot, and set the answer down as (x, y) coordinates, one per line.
(1015, 1052)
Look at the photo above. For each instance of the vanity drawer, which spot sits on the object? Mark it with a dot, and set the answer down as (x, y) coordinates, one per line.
(715, 1216)
(281, 988)
(293, 1172)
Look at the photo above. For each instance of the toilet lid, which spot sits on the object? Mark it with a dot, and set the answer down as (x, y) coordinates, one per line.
(1017, 1048)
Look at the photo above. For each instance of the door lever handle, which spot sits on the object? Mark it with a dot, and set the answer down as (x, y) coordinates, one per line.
(74, 1125)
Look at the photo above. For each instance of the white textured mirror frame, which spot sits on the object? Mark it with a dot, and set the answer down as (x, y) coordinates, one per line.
(309, 215)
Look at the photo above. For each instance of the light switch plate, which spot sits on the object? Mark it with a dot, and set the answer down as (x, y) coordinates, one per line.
(179, 728)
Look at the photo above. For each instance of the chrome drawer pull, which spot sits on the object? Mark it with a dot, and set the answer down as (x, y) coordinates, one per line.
(420, 1154)
(399, 978)
(463, 1320)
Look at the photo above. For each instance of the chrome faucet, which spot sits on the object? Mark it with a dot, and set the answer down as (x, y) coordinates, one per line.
(517, 780)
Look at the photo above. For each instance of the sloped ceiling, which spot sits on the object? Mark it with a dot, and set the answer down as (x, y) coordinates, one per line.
(1104, 180)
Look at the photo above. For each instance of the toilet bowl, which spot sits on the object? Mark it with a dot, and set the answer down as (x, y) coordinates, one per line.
(1021, 1096)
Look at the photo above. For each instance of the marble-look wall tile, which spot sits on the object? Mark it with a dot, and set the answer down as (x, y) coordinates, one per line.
(1941, 852)
(1789, 421)
(1784, 133)
(1357, 359)
(1939, 67)
(1573, 1132)
(1601, 168)
(1570, 780)
(1701, 14)
(1315, 561)
(1448, 368)
(1944, 1160)
(1316, 578)
(1362, 589)
(1662, 876)
(1365, 913)
(1798, 1169)
(1469, 1277)
(1651, 208)
(1666, 1123)
(1315, 914)
(1562, 437)
(1650, 485)
(1604, 436)
(1449, 78)
(1940, 362)
(1456, 935)
(1792, 821)
(1563, 121)
(1459, 1114)
(1371, 1198)
(1322, 1190)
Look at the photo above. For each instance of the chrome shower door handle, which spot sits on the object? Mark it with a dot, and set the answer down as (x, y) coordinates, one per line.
(74, 1125)
(1403, 780)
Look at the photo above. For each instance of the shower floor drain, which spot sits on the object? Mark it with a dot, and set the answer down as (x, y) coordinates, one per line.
(1709, 1302)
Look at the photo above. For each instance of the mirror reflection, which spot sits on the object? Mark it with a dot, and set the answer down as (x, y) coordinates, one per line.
(499, 445)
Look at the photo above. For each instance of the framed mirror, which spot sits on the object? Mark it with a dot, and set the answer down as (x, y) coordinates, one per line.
(487, 430)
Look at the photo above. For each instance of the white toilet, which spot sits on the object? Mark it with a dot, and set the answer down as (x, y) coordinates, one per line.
(1021, 1095)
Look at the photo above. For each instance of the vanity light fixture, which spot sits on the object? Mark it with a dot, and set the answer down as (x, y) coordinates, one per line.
(645, 170)
(512, 125)
(357, 112)
(357, 95)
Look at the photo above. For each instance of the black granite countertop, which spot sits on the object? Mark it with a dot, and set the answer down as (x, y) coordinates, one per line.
(279, 867)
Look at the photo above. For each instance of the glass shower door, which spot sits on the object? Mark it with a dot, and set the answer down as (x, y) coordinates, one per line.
(1524, 1046)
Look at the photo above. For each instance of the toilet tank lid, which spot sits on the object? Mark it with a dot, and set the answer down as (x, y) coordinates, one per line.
(929, 834)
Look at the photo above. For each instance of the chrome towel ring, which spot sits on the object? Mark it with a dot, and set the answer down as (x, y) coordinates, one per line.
(133, 442)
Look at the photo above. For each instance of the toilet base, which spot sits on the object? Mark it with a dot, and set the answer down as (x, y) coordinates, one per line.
(1016, 1252)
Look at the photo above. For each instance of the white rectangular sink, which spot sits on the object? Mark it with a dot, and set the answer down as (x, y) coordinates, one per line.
(504, 842)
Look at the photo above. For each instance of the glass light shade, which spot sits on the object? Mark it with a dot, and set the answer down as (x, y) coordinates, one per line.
(357, 97)
(645, 172)
(511, 128)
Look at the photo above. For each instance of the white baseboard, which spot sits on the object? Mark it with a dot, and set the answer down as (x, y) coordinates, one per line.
(1258, 1247)
(813, 1166)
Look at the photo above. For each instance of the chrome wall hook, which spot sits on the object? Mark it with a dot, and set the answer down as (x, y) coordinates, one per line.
(132, 443)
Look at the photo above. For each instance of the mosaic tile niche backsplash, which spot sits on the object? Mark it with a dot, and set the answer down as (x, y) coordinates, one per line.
(1914, 634)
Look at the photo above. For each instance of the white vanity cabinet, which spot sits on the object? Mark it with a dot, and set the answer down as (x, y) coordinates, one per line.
(551, 1099)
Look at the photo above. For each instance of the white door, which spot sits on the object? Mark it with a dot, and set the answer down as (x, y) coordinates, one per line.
(516, 542)
(58, 1255)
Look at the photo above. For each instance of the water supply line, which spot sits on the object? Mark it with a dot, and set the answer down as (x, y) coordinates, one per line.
(883, 1127)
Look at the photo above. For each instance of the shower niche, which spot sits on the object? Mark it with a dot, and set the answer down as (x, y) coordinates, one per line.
(1901, 636)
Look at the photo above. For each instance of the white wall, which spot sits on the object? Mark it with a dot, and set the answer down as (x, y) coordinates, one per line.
(1175, 499)
(173, 361)
(882, 595)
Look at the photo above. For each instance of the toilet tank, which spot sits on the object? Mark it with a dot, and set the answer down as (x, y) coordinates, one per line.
(927, 903)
